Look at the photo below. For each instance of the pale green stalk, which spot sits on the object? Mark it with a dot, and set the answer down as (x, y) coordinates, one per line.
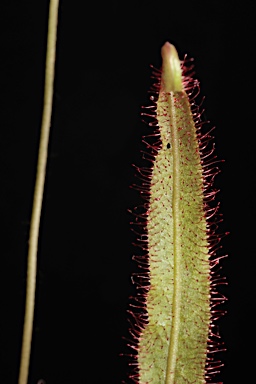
(38, 192)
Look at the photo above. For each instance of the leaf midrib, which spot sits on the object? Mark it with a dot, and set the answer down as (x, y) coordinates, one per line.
(176, 305)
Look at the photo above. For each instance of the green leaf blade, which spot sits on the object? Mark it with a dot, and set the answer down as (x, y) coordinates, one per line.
(172, 347)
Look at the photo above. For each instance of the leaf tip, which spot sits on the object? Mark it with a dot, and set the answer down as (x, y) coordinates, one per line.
(171, 69)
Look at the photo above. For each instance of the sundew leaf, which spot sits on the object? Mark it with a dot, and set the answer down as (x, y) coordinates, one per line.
(173, 330)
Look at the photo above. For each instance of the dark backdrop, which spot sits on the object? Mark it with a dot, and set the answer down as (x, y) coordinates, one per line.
(102, 79)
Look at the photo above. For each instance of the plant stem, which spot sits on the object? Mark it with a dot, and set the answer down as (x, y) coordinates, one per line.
(38, 192)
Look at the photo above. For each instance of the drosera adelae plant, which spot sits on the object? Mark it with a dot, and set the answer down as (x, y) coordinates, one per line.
(173, 316)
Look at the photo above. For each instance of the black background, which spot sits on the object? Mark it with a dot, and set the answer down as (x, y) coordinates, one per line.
(103, 74)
